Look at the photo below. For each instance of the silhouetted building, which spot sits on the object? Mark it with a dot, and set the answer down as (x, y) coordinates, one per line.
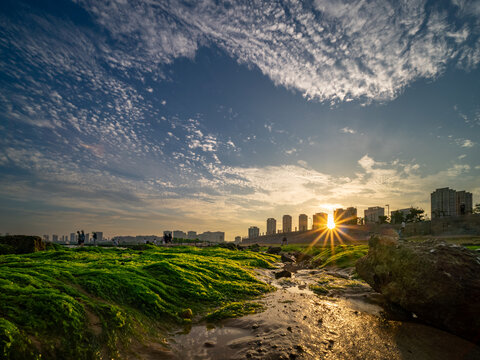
(346, 216)
(271, 226)
(191, 235)
(73, 238)
(320, 220)
(448, 202)
(55, 238)
(302, 222)
(99, 236)
(238, 239)
(179, 234)
(464, 203)
(213, 236)
(372, 214)
(253, 232)
(287, 223)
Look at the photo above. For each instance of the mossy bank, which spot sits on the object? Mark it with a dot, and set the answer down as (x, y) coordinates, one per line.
(89, 303)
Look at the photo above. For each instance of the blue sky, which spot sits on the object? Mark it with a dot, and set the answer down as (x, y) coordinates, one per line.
(133, 117)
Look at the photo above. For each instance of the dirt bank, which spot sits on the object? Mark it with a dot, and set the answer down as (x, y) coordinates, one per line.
(348, 323)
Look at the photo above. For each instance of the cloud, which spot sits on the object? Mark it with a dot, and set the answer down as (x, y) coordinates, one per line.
(466, 143)
(347, 130)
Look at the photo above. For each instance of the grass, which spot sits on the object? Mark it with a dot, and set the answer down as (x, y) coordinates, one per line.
(51, 302)
(341, 256)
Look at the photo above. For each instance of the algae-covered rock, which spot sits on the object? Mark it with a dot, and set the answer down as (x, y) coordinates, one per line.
(187, 314)
(439, 283)
(22, 244)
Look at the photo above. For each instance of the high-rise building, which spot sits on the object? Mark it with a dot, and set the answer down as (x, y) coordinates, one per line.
(73, 238)
(179, 234)
(287, 223)
(54, 238)
(302, 222)
(271, 226)
(464, 204)
(99, 236)
(320, 220)
(191, 235)
(443, 202)
(238, 239)
(372, 214)
(253, 232)
(346, 216)
(394, 218)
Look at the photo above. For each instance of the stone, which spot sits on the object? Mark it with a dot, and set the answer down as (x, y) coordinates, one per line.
(288, 258)
(274, 250)
(187, 314)
(283, 273)
(441, 288)
(209, 344)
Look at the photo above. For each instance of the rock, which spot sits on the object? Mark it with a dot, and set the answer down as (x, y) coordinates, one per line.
(254, 247)
(442, 287)
(187, 314)
(209, 344)
(283, 273)
(228, 245)
(21, 244)
(288, 258)
(274, 250)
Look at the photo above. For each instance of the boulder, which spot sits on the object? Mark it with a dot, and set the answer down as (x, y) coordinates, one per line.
(22, 244)
(274, 250)
(438, 282)
(283, 273)
(288, 258)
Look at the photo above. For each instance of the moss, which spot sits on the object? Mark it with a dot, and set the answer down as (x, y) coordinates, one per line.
(235, 309)
(124, 290)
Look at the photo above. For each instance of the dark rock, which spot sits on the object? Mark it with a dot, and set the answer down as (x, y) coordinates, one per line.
(283, 273)
(209, 344)
(228, 245)
(274, 250)
(187, 314)
(299, 348)
(288, 258)
(289, 328)
(255, 326)
(22, 244)
(441, 287)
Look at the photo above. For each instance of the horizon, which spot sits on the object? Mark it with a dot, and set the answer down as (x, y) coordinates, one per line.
(134, 117)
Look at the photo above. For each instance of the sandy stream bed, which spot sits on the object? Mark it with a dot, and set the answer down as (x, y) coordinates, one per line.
(349, 323)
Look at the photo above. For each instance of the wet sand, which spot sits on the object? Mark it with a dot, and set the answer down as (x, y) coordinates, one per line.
(349, 323)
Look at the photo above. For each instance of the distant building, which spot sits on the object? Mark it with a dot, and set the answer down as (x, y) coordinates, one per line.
(271, 226)
(320, 220)
(73, 238)
(238, 239)
(191, 235)
(346, 216)
(99, 236)
(302, 222)
(448, 202)
(87, 238)
(372, 214)
(253, 232)
(179, 234)
(287, 223)
(464, 203)
(55, 238)
(443, 202)
(213, 236)
(45, 237)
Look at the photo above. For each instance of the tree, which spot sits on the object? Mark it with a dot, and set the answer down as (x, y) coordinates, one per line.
(382, 219)
(397, 217)
(476, 209)
(415, 215)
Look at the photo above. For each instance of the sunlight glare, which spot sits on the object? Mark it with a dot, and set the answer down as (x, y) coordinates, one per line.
(330, 222)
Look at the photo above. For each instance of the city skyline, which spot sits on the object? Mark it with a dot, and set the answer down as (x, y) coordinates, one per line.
(133, 117)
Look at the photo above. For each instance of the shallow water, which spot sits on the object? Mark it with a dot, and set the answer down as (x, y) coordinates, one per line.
(297, 324)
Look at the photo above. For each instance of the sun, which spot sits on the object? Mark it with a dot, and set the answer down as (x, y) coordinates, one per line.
(330, 222)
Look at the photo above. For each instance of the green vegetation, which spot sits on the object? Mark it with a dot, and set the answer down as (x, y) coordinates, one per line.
(327, 283)
(88, 302)
(341, 256)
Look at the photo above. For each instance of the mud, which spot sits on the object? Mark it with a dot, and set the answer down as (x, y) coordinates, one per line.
(349, 322)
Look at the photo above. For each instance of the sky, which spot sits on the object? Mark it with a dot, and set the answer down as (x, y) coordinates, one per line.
(134, 117)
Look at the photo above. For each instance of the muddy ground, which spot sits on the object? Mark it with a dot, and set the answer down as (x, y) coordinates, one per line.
(345, 319)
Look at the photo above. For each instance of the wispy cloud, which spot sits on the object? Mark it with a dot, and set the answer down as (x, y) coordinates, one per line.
(347, 130)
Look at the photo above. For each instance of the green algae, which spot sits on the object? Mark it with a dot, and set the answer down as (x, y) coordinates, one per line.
(86, 303)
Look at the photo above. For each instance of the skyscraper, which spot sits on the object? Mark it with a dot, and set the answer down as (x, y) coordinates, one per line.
(253, 232)
(287, 224)
(271, 226)
(320, 220)
(443, 202)
(464, 204)
(302, 222)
